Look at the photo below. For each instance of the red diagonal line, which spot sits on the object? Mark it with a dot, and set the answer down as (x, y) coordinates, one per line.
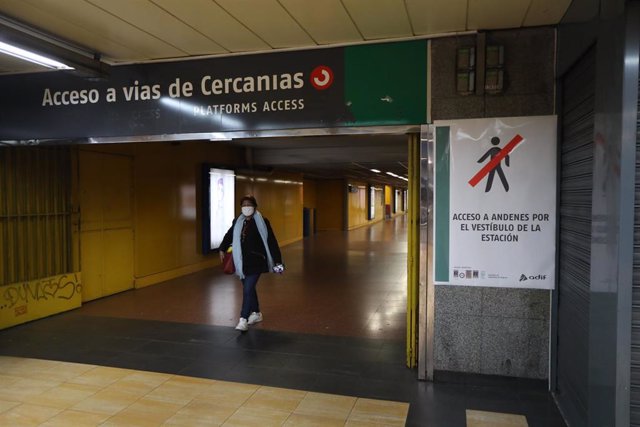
(495, 161)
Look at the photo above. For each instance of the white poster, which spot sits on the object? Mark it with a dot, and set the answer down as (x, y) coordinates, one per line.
(222, 203)
(495, 202)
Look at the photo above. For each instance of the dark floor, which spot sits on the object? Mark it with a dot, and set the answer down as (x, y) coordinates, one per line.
(362, 367)
(297, 346)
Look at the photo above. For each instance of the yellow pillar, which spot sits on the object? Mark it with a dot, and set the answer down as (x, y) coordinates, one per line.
(413, 250)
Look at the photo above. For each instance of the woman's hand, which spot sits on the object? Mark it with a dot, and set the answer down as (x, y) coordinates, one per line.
(221, 255)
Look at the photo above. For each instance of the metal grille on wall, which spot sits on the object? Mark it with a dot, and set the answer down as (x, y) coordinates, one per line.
(35, 212)
(635, 326)
(574, 266)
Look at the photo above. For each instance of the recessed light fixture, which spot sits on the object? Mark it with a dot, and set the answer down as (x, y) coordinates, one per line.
(375, 170)
(29, 56)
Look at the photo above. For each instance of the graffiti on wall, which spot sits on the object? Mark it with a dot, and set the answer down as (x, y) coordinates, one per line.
(25, 301)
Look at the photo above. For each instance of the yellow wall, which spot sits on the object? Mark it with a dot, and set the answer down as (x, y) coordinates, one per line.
(310, 194)
(379, 205)
(389, 200)
(26, 301)
(166, 189)
(358, 207)
(330, 204)
(387, 194)
(279, 198)
(167, 192)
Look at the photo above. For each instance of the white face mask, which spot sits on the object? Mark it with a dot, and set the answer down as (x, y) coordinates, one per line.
(248, 210)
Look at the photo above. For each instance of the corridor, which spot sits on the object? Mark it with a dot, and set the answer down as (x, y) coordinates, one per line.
(334, 324)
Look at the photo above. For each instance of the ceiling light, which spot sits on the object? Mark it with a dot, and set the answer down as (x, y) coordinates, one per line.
(375, 170)
(26, 55)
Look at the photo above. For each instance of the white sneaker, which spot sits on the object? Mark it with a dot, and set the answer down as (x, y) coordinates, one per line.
(255, 318)
(242, 325)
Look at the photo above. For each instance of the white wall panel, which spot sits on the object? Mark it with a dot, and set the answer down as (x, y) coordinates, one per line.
(81, 23)
(494, 14)
(162, 25)
(269, 21)
(380, 19)
(545, 12)
(435, 16)
(214, 22)
(326, 21)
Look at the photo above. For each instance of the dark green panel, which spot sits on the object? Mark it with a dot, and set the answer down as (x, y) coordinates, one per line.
(386, 84)
(441, 229)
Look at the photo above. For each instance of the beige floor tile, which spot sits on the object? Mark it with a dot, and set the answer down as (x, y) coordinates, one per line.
(193, 386)
(379, 411)
(207, 411)
(184, 420)
(5, 405)
(105, 402)
(44, 370)
(27, 415)
(326, 405)
(41, 370)
(170, 392)
(134, 389)
(64, 396)
(101, 376)
(279, 399)
(250, 417)
(133, 419)
(150, 379)
(7, 360)
(351, 423)
(76, 419)
(494, 419)
(228, 393)
(153, 406)
(7, 380)
(25, 388)
(25, 365)
(65, 371)
(299, 420)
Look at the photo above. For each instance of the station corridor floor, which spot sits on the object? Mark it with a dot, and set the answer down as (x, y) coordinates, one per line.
(330, 351)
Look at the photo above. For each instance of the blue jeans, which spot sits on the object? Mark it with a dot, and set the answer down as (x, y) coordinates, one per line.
(249, 295)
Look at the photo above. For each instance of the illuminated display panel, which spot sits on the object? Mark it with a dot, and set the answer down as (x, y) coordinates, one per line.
(372, 203)
(218, 204)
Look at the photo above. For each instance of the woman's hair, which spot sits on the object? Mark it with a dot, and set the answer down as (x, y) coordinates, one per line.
(250, 199)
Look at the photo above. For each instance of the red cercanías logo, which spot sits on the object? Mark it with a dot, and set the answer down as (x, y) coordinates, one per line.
(321, 77)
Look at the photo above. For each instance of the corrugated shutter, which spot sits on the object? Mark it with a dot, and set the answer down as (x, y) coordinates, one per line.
(635, 326)
(576, 187)
(35, 212)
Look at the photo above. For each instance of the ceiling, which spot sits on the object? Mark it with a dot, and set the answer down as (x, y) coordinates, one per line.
(133, 31)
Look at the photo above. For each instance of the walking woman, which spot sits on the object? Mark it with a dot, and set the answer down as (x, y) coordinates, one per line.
(255, 251)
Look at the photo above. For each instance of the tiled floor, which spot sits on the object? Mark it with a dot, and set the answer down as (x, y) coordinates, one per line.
(50, 393)
(339, 284)
(334, 324)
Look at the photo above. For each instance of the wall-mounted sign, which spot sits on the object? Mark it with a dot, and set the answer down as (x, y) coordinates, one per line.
(495, 202)
(362, 85)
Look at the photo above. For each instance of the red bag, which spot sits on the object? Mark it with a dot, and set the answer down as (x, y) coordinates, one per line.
(228, 267)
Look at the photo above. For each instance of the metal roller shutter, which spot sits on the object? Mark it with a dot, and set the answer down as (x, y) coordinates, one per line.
(576, 156)
(635, 327)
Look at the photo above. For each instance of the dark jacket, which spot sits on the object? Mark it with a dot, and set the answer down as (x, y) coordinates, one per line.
(254, 255)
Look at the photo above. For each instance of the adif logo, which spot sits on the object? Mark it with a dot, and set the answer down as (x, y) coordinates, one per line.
(538, 277)
(321, 77)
